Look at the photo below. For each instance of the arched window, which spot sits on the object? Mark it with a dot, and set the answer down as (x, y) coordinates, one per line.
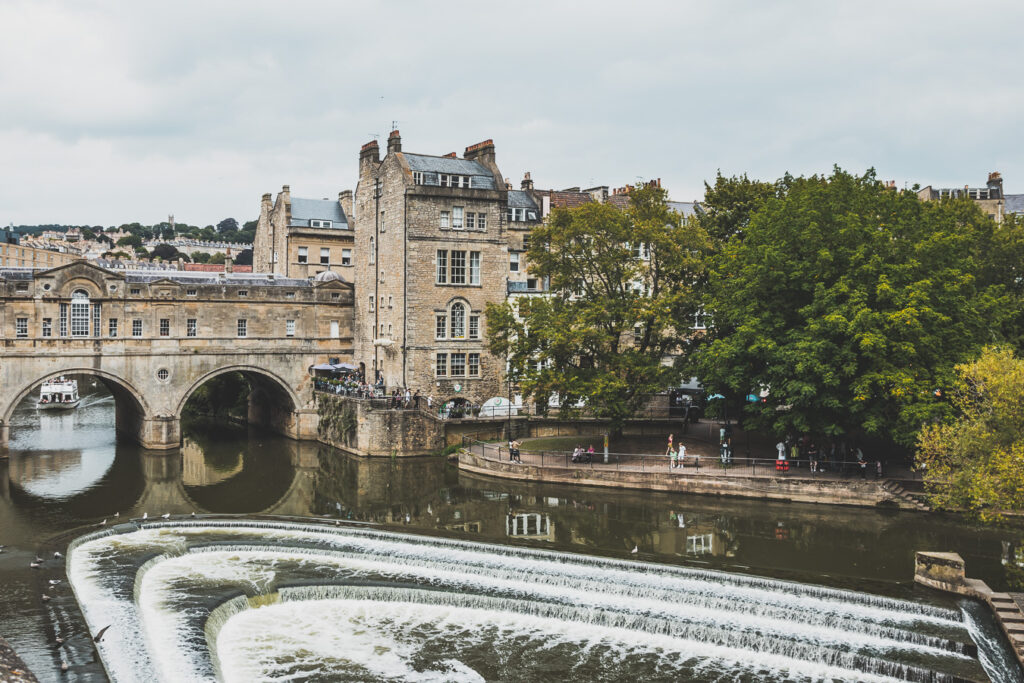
(458, 321)
(80, 313)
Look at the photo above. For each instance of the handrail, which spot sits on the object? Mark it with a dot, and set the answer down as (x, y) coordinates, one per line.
(716, 465)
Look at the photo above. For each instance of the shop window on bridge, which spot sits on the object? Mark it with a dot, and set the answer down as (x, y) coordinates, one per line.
(47, 327)
(243, 327)
(137, 327)
(79, 313)
(190, 327)
(21, 328)
(165, 327)
(96, 330)
(112, 327)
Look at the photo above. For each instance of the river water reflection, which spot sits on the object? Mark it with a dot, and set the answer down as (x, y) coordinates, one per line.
(69, 472)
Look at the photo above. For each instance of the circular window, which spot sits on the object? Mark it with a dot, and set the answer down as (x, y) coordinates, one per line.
(46, 287)
(162, 374)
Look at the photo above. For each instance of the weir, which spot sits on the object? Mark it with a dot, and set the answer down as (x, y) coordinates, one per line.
(243, 598)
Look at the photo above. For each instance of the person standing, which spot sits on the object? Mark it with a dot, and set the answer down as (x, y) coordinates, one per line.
(673, 457)
(416, 400)
(408, 398)
(682, 454)
(780, 461)
(670, 448)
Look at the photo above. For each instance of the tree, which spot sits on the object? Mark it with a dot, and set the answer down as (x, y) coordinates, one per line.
(217, 258)
(851, 303)
(133, 241)
(244, 258)
(227, 225)
(200, 257)
(728, 205)
(974, 462)
(88, 234)
(166, 252)
(621, 284)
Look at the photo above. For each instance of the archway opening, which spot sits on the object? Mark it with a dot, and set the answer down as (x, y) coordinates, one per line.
(242, 396)
(63, 432)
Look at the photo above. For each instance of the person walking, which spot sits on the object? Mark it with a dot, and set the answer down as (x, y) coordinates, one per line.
(670, 448)
(673, 456)
(416, 400)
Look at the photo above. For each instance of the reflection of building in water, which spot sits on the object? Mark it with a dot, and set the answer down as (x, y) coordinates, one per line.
(532, 525)
(195, 471)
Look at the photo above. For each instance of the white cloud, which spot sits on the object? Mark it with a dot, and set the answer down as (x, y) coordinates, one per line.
(122, 111)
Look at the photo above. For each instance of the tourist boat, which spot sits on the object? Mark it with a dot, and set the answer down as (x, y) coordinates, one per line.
(58, 394)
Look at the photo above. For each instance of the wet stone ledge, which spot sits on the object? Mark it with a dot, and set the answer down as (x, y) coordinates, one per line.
(12, 669)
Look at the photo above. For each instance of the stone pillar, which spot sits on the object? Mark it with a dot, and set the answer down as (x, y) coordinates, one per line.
(159, 433)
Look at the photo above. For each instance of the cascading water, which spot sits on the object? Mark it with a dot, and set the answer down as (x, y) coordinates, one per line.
(248, 600)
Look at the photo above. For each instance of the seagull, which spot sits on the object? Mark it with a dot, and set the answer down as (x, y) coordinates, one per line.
(635, 550)
(57, 555)
(99, 635)
(54, 582)
(145, 516)
(193, 513)
(63, 664)
(117, 514)
(46, 598)
(34, 565)
(103, 523)
(39, 559)
(166, 515)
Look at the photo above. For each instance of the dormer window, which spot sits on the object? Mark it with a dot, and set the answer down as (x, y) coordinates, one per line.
(320, 224)
(516, 215)
(449, 180)
(417, 177)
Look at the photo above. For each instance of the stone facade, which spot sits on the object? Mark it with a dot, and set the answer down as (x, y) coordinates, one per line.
(21, 256)
(427, 268)
(304, 237)
(990, 199)
(155, 337)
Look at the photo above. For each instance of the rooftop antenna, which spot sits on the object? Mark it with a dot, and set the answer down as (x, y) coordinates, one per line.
(394, 125)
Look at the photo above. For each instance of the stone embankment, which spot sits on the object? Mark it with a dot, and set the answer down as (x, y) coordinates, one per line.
(947, 572)
(741, 482)
(12, 669)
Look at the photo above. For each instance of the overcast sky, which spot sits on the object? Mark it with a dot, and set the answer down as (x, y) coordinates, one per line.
(112, 112)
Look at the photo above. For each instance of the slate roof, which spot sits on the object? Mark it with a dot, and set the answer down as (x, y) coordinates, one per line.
(519, 199)
(305, 210)
(1014, 203)
(686, 208)
(431, 166)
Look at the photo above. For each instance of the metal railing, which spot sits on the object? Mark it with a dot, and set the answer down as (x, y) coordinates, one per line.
(691, 464)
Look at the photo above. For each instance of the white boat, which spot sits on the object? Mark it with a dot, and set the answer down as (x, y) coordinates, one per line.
(58, 394)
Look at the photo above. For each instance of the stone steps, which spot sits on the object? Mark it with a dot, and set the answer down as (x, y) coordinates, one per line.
(911, 499)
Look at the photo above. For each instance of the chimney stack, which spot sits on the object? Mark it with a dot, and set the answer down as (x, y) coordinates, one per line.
(369, 153)
(995, 185)
(527, 183)
(394, 142)
(345, 200)
(228, 261)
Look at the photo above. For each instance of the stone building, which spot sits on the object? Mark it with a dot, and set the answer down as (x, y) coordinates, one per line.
(298, 237)
(990, 199)
(432, 240)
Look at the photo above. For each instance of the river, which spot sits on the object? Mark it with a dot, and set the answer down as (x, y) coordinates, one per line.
(67, 473)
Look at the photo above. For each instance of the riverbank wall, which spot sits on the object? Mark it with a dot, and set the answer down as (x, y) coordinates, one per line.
(792, 487)
(948, 572)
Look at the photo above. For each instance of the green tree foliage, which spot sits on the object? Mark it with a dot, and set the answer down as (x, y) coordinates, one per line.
(133, 241)
(602, 335)
(244, 258)
(225, 394)
(200, 257)
(88, 234)
(217, 258)
(227, 225)
(730, 202)
(167, 252)
(974, 462)
(851, 302)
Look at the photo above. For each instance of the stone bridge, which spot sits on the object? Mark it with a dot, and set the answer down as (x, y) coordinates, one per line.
(154, 337)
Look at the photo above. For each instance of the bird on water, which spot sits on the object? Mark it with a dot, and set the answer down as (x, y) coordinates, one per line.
(99, 634)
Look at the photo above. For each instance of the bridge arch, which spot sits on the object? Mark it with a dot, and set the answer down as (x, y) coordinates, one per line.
(273, 401)
(133, 411)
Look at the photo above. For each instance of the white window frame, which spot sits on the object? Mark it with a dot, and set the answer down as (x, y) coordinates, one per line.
(417, 177)
(457, 273)
(441, 275)
(325, 256)
(111, 328)
(513, 261)
(136, 327)
(445, 220)
(165, 327)
(346, 257)
(303, 256)
(457, 364)
(242, 328)
(440, 326)
(289, 328)
(80, 313)
(474, 267)
(473, 365)
(47, 330)
(21, 328)
(457, 316)
(373, 253)
(470, 220)
(191, 327)
(441, 365)
(473, 329)
(373, 304)
(458, 215)
(481, 221)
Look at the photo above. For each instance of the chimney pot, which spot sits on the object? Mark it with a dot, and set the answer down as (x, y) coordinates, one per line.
(394, 142)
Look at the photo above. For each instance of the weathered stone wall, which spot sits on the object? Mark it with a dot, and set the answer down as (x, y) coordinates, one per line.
(868, 493)
(358, 427)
